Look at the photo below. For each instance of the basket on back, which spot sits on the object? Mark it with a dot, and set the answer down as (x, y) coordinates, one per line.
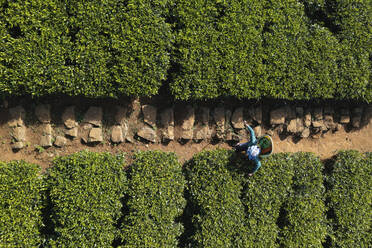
(266, 145)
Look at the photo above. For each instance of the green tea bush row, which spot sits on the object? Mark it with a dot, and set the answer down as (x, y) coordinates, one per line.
(350, 199)
(304, 207)
(155, 201)
(86, 200)
(272, 49)
(263, 197)
(20, 204)
(94, 49)
(85, 191)
(218, 213)
(284, 49)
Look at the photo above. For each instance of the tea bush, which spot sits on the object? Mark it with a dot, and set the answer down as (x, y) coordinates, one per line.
(218, 213)
(85, 190)
(304, 207)
(154, 201)
(20, 204)
(350, 199)
(263, 196)
(93, 49)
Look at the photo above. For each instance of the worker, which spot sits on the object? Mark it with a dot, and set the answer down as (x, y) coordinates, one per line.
(251, 148)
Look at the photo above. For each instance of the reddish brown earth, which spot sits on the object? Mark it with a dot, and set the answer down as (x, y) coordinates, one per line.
(325, 146)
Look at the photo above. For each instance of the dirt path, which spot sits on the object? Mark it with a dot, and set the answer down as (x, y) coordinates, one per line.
(325, 146)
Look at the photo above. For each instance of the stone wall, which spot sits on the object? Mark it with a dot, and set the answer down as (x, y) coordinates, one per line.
(143, 123)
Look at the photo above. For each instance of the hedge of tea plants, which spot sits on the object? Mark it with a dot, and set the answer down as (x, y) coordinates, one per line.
(263, 202)
(20, 204)
(217, 211)
(351, 199)
(92, 199)
(197, 49)
(85, 190)
(94, 49)
(154, 201)
(304, 207)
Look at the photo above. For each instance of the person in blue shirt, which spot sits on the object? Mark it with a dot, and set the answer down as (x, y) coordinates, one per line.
(251, 148)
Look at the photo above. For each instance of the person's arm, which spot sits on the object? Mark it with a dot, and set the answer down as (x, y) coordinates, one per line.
(252, 136)
(258, 165)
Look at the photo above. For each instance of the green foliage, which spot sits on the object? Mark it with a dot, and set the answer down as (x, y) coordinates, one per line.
(276, 49)
(218, 213)
(87, 48)
(155, 200)
(264, 194)
(85, 191)
(20, 204)
(33, 47)
(351, 199)
(304, 207)
(119, 47)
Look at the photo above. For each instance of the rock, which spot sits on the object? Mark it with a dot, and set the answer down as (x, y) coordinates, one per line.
(256, 113)
(19, 133)
(292, 126)
(202, 133)
(42, 112)
(318, 123)
(187, 134)
(307, 121)
(129, 139)
(117, 134)
(318, 113)
(219, 118)
(168, 133)
(17, 115)
(46, 141)
(367, 119)
(356, 120)
(344, 116)
(17, 145)
(167, 122)
(305, 133)
(237, 118)
(60, 141)
(46, 129)
(68, 117)
(357, 117)
(95, 135)
(204, 115)
(257, 130)
(277, 116)
(344, 119)
(73, 132)
(188, 123)
(124, 128)
(121, 115)
(189, 118)
(93, 116)
(84, 131)
(147, 133)
(328, 122)
(149, 114)
(167, 117)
